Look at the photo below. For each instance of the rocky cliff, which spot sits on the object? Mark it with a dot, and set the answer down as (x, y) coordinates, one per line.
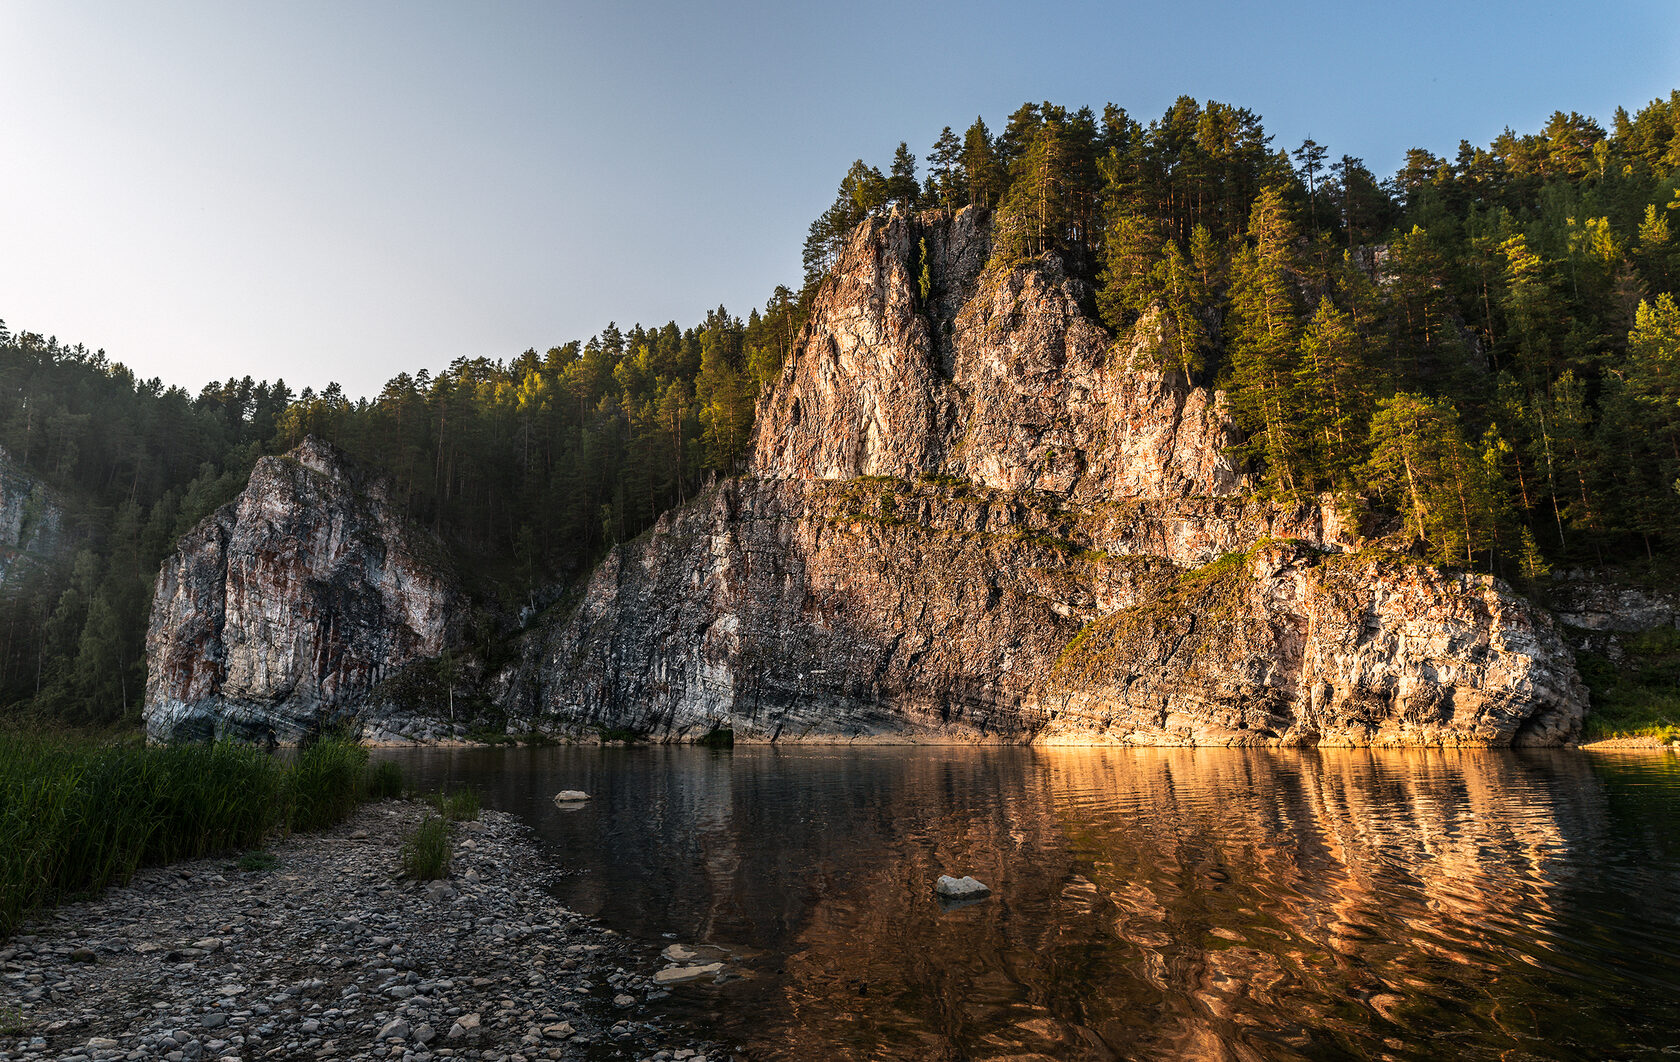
(32, 529)
(972, 515)
(1000, 378)
(282, 611)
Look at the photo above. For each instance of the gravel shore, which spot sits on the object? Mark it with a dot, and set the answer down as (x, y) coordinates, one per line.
(329, 954)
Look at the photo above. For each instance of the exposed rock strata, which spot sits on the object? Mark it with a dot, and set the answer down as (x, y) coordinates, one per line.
(286, 607)
(970, 516)
(797, 610)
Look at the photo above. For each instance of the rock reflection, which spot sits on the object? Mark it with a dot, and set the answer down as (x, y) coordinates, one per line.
(1204, 904)
(1152, 903)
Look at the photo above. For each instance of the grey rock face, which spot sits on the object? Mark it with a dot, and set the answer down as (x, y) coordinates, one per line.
(971, 517)
(286, 607)
(877, 610)
(31, 522)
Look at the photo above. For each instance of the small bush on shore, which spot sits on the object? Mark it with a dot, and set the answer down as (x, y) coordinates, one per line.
(425, 851)
(76, 816)
(258, 861)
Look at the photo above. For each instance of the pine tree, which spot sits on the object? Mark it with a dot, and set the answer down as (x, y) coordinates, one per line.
(1337, 387)
(982, 173)
(1183, 299)
(1420, 459)
(1264, 329)
(945, 167)
(901, 186)
(1310, 157)
(1129, 284)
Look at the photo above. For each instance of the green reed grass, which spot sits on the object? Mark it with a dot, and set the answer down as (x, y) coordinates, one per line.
(463, 805)
(425, 851)
(76, 816)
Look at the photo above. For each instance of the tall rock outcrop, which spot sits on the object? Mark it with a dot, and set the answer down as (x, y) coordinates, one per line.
(32, 526)
(971, 515)
(1000, 378)
(282, 611)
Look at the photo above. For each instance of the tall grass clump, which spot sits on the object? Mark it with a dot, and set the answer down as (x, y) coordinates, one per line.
(463, 805)
(425, 851)
(326, 783)
(76, 816)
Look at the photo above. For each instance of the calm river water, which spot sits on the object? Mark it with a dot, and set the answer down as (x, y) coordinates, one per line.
(1155, 904)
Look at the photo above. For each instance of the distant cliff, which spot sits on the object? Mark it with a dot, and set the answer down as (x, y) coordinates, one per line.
(972, 515)
(32, 529)
(284, 610)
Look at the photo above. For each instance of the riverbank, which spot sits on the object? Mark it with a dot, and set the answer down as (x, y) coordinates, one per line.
(329, 954)
(78, 814)
(1631, 741)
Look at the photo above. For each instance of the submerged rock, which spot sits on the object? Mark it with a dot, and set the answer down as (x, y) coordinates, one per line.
(570, 796)
(675, 975)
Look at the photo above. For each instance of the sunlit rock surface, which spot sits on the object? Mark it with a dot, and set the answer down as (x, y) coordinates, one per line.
(971, 516)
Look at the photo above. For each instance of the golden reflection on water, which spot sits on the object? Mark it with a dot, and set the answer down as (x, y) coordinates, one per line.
(1148, 903)
(1189, 904)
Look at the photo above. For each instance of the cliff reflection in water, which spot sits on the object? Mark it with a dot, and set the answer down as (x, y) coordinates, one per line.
(1147, 903)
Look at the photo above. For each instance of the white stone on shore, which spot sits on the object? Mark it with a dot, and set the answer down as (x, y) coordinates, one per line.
(570, 796)
(963, 888)
(678, 974)
(677, 953)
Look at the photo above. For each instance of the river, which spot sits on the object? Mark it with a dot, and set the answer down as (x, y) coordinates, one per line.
(1148, 903)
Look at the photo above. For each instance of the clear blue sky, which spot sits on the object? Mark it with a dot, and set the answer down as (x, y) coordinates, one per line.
(346, 190)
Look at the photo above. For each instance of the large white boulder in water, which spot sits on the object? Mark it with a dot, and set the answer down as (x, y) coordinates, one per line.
(963, 888)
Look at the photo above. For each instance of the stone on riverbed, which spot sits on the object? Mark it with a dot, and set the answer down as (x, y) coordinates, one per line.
(963, 888)
(253, 989)
(679, 974)
(570, 796)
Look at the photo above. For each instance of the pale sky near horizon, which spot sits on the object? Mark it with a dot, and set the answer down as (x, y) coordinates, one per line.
(344, 191)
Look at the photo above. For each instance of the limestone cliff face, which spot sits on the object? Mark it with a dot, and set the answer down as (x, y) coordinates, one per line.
(971, 515)
(999, 378)
(282, 610)
(797, 610)
(32, 529)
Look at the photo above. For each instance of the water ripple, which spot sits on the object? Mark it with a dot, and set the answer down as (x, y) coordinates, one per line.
(1219, 904)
